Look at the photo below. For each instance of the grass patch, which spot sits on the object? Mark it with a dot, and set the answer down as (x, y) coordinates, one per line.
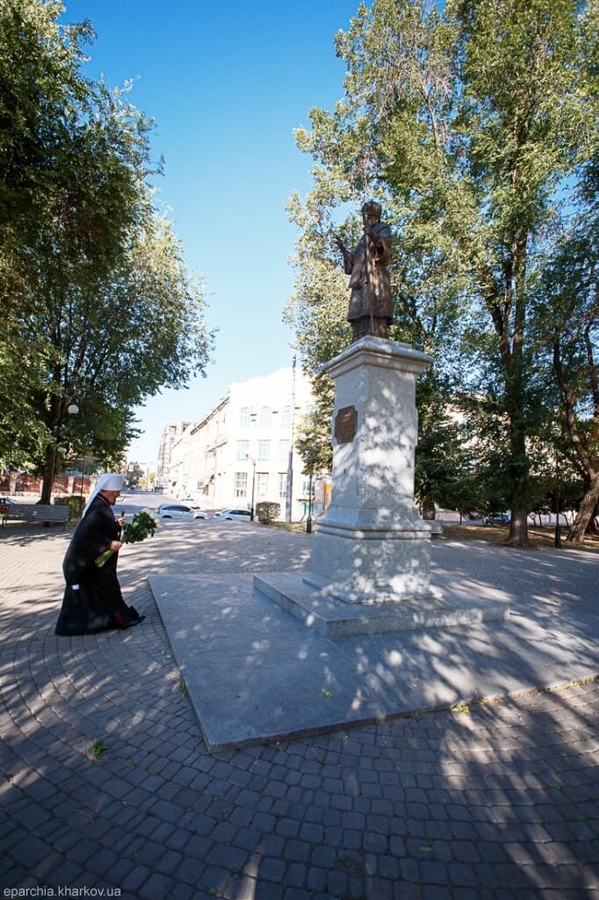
(98, 748)
(295, 527)
(497, 534)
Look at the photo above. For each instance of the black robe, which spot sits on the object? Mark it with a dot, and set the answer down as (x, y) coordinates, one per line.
(97, 604)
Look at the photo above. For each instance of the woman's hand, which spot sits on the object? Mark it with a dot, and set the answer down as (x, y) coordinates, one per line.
(115, 545)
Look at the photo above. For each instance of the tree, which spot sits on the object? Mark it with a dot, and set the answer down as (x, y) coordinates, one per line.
(99, 307)
(568, 329)
(469, 124)
(111, 343)
(134, 474)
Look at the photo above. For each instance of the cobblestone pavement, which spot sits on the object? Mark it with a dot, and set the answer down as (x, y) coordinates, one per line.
(496, 802)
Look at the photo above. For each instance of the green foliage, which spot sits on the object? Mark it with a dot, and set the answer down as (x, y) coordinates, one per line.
(98, 748)
(134, 474)
(267, 512)
(566, 328)
(472, 126)
(143, 525)
(97, 304)
(75, 503)
(314, 441)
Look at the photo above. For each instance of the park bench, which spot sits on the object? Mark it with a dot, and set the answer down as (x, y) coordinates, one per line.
(34, 512)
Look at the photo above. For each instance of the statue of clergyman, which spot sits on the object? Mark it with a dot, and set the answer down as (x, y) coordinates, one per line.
(371, 304)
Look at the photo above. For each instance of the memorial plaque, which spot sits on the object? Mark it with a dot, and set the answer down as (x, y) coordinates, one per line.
(346, 422)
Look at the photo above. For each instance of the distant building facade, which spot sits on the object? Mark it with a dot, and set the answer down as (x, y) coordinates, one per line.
(246, 445)
(171, 432)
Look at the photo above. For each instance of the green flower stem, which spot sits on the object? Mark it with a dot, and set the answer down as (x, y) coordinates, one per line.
(104, 557)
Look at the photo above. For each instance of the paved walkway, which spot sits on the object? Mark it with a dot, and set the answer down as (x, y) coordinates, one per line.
(497, 802)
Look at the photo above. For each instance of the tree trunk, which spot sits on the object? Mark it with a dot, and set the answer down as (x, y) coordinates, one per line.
(428, 510)
(518, 534)
(48, 474)
(586, 511)
(592, 526)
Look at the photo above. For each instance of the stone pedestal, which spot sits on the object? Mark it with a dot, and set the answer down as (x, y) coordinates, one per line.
(371, 545)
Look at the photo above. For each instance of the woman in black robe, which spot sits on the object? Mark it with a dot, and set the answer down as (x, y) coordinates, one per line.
(92, 599)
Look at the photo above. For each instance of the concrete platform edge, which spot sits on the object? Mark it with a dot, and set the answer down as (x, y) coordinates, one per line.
(288, 590)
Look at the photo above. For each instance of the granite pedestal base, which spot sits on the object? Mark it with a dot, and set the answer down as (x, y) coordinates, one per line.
(334, 618)
(371, 546)
(370, 565)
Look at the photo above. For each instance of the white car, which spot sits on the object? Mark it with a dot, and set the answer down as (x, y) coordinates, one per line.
(180, 511)
(242, 515)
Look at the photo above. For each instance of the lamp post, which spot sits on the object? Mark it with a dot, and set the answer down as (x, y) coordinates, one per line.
(309, 460)
(309, 519)
(83, 464)
(557, 540)
(253, 462)
(72, 409)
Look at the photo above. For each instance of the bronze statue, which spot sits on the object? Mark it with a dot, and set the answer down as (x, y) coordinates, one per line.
(371, 304)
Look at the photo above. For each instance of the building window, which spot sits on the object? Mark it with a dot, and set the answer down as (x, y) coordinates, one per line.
(284, 452)
(243, 448)
(244, 417)
(282, 484)
(241, 484)
(306, 487)
(265, 415)
(286, 415)
(264, 451)
(262, 484)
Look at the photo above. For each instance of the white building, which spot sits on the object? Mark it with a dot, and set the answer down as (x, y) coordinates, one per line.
(246, 446)
(170, 434)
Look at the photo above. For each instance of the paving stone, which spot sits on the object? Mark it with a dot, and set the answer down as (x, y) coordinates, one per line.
(190, 870)
(136, 878)
(229, 857)
(289, 828)
(316, 879)
(503, 801)
(157, 887)
(324, 857)
(268, 890)
(296, 894)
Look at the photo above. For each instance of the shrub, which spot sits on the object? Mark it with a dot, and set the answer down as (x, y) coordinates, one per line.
(268, 512)
(75, 504)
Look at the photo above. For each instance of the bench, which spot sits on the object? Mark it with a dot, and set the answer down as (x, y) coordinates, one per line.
(34, 512)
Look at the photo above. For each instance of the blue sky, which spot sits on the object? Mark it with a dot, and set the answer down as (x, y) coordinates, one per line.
(226, 84)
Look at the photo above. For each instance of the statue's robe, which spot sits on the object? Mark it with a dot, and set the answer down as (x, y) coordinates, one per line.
(92, 599)
(370, 284)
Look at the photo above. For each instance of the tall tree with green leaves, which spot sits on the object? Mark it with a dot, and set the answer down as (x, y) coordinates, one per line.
(567, 327)
(99, 307)
(469, 124)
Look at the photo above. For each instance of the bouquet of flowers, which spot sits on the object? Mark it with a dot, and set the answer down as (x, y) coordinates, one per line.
(142, 525)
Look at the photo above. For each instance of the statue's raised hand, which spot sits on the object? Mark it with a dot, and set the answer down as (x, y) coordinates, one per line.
(339, 244)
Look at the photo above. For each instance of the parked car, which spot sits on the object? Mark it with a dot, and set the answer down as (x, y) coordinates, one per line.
(497, 519)
(242, 515)
(180, 511)
(7, 501)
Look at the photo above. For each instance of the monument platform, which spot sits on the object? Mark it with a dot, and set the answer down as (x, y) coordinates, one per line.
(334, 618)
(255, 674)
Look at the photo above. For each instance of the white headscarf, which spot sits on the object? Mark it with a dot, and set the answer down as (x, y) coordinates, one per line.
(105, 483)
